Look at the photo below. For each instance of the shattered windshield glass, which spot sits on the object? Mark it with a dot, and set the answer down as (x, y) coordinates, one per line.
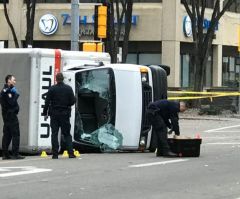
(95, 109)
(106, 137)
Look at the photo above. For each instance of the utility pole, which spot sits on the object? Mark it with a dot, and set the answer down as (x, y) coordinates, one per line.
(238, 64)
(74, 25)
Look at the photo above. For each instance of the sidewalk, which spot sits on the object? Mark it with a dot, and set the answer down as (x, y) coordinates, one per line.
(192, 114)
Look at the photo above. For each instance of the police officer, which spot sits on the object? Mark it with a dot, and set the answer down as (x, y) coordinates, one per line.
(163, 114)
(58, 104)
(10, 109)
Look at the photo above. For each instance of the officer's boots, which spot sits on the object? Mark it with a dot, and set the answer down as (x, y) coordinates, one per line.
(6, 156)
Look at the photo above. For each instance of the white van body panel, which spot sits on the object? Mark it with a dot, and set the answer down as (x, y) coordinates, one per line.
(69, 78)
(129, 105)
(35, 70)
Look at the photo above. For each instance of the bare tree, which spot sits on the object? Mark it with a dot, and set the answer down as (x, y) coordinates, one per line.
(128, 24)
(121, 10)
(10, 24)
(30, 15)
(203, 41)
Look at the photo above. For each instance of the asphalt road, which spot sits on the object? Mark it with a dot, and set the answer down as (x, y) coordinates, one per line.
(214, 175)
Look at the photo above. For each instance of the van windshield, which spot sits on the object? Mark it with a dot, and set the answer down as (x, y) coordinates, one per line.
(95, 102)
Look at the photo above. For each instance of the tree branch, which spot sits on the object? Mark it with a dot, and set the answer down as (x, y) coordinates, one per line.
(128, 24)
(194, 27)
(190, 14)
(227, 6)
(10, 24)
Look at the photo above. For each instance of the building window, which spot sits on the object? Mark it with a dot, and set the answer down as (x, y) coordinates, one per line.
(230, 71)
(149, 59)
(91, 1)
(144, 52)
(144, 59)
(148, 1)
(187, 72)
(3, 44)
(209, 3)
(235, 7)
(53, 1)
(208, 73)
(132, 58)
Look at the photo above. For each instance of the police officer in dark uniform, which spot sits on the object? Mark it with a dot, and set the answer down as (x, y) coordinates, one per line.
(10, 109)
(163, 114)
(59, 100)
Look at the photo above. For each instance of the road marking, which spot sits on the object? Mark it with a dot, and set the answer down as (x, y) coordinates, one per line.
(4, 169)
(222, 138)
(227, 131)
(21, 171)
(223, 143)
(158, 163)
(228, 127)
(24, 160)
(28, 160)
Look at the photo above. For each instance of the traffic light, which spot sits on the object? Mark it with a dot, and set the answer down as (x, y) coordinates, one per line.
(89, 47)
(100, 27)
(100, 47)
(239, 39)
(93, 47)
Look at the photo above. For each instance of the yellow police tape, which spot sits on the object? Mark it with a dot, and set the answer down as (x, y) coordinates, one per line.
(202, 95)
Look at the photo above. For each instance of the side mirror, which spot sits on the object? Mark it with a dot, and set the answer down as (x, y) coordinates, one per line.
(166, 68)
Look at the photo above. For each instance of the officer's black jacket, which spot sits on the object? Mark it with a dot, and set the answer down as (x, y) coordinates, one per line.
(8, 100)
(59, 98)
(169, 111)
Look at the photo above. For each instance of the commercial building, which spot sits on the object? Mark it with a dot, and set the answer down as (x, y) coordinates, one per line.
(157, 35)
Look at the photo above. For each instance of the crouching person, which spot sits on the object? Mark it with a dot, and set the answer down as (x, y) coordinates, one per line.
(163, 114)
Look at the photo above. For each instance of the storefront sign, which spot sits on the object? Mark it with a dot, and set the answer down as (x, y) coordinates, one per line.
(187, 26)
(88, 31)
(48, 24)
(89, 20)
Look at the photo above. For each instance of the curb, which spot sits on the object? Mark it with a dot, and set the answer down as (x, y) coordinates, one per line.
(210, 118)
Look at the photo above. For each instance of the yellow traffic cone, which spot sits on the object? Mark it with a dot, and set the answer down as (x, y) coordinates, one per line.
(76, 153)
(65, 154)
(44, 154)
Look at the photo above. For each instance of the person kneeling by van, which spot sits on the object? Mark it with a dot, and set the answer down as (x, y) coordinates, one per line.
(163, 114)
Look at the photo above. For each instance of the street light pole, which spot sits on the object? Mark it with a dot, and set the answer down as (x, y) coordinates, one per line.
(239, 88)
(74, 25)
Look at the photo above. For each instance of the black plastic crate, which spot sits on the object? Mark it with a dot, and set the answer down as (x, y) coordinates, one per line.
(185, 147)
